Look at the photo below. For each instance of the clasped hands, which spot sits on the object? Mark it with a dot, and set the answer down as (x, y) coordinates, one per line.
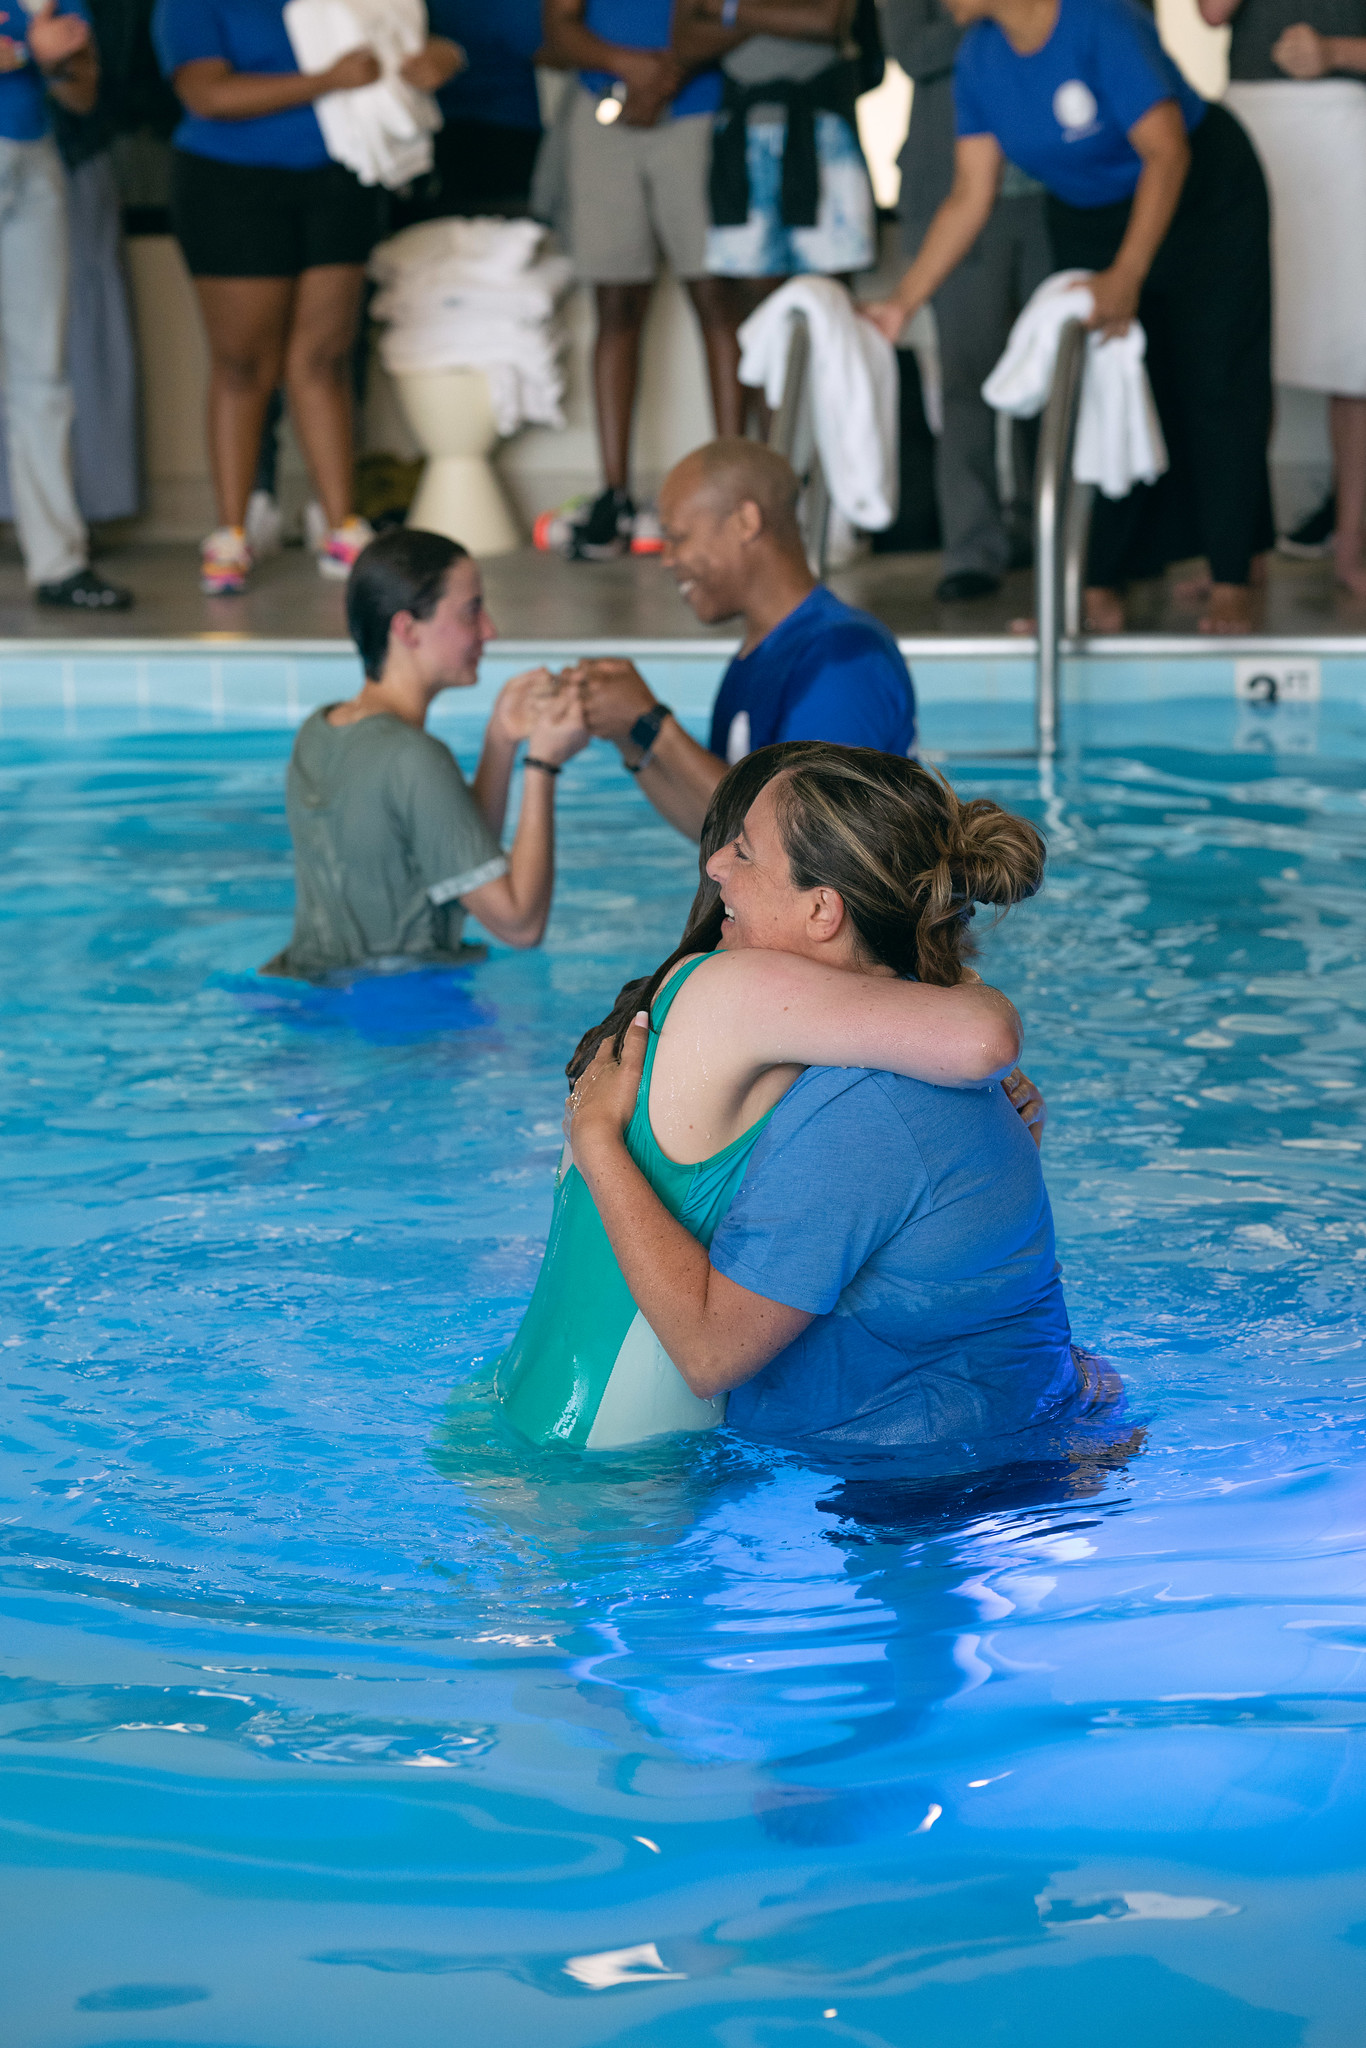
(53, 40)
(428, 69)
(610, 694)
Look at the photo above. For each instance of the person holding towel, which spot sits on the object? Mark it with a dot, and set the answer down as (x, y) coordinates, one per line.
(1296, 83)
(276, 237)
(1162, 197)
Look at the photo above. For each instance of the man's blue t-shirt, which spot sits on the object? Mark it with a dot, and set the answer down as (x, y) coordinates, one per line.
(499, 38)
(646, 25)
(914, 1224)
(825, 672)
(1064, 113)
(24, 113)
(251, 35)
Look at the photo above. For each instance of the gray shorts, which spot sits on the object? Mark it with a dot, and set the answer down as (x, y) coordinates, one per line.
(635, 191)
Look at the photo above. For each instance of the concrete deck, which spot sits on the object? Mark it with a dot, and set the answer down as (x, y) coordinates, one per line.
(537, 597)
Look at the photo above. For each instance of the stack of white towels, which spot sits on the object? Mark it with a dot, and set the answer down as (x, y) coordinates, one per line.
(478, 295)
(1119, 436)
(383, 132)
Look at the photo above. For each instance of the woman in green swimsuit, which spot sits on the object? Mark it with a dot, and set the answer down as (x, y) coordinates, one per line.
(732, 1024)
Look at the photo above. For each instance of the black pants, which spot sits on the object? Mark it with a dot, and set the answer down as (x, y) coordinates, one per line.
(1206, 310)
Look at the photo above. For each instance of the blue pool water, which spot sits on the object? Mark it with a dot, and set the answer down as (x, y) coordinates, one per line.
(332, 1718)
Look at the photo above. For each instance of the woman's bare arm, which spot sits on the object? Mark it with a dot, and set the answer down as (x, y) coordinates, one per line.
(1160, 139)
(211, 88)
(756, 1009)
(977, 162)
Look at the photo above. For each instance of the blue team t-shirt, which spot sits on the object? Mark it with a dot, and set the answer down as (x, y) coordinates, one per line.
(24, 115)
(825, 672)
(646, 25)
(499, 38)
(251, 35)
(913, 1223)
(1064, 113)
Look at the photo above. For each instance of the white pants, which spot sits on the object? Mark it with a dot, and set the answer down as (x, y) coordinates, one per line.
(38, 406)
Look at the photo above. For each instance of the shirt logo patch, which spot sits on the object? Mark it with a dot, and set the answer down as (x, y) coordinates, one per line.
(1074, 105)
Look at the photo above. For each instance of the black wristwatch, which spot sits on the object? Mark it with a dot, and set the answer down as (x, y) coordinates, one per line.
(645, 732)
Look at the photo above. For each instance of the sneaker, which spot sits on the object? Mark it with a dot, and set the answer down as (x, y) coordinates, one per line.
(647, 535)
(1312, 539)
(85, 592)
(337, 556)
(224, 562)
(265, 525)
(603, 532)
(552, 531)
(315, 527)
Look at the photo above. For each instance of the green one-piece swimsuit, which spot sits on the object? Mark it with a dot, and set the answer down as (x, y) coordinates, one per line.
(585, 1367)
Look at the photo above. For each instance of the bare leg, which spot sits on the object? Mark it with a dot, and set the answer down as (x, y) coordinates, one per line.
(1347, 421)
(1229, 609)
(616, 363)
(723, 304)
(246, 320)
(322, 335)
(1104, 610)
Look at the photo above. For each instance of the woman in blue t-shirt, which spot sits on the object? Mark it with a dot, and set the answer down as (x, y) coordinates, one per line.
(1163, 198)
(885, 1276)
(276, 236)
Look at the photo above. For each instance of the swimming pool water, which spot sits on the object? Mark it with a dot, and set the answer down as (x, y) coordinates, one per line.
(332, 1716)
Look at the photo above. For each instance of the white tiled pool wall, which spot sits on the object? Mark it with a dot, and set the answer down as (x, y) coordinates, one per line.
(1267, 695)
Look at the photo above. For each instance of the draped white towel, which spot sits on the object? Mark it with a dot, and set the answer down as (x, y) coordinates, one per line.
(383, 132)
(1119, 436)
(477, 295)
(854, 391)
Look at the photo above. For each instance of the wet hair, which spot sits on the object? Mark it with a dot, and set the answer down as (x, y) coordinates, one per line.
(404, 570)
(907, 857)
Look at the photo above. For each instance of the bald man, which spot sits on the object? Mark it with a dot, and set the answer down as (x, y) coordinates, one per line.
(809, 666)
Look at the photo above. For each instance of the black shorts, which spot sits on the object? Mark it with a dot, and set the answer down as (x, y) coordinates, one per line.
(256, 220)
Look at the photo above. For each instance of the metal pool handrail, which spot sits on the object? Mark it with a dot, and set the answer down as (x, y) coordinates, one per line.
(1062, 523)
(792, 432)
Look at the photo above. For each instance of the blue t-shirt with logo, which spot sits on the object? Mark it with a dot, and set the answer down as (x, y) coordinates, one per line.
(251, 36)
(825, 672)
(23, 94)
(646, 25)
(499, 38)
(913, 1223)
(1064, 113)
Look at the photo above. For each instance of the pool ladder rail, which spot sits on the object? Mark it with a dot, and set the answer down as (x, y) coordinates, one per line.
(1062, 526)
(1062, 506)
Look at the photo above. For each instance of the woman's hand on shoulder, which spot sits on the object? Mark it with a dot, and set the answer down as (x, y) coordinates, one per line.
(603, 1099)
(1027, 1101)
(434, 65)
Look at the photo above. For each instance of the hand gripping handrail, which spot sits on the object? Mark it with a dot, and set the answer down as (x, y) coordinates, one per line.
(1062, 523)
(792, 432)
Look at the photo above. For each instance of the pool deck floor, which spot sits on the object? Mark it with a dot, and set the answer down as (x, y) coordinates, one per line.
(534, 596)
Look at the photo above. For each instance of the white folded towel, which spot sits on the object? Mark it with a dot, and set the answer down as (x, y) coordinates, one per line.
(478, 295)
(383, 132)
(1119, 436)
(854, 391)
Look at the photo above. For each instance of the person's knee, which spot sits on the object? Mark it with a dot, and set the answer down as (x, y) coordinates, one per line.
(715, 305)
(622, 308)
(246, 371)
(319, 359)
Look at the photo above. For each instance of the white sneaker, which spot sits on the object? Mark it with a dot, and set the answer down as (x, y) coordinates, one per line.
(337, 555)
(265, 524)
(316, 529)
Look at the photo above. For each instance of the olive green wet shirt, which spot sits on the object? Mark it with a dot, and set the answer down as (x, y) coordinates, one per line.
(387, 839)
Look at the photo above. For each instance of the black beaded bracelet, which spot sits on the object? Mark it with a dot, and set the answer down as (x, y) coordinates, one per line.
(546, 767)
